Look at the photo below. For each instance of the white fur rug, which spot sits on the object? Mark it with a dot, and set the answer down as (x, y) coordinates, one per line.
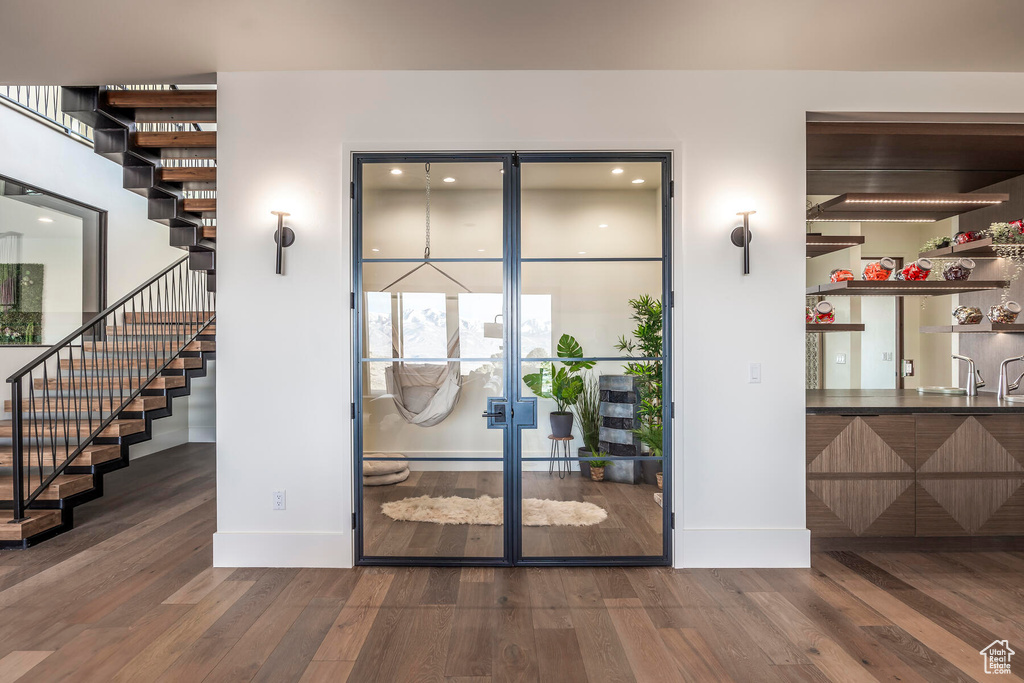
(488, 511)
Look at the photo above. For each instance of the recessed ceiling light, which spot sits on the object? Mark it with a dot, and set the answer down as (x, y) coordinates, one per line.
(617, 171)
(449, 179)
(480, 250)
(45, 219)
(637, 181)
(603, 225)
(581, 253)
(375, 249)
(501, 171)
(396, 171)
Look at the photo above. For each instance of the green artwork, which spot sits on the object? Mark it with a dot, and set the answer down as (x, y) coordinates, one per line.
(21, 303)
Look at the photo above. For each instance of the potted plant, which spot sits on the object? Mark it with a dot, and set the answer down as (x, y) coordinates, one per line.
(647, 314)
(588, 417)
(562, 384)
(597, 468)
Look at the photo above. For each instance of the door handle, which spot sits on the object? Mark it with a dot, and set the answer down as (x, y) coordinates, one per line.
(494, 415)
(498, 413)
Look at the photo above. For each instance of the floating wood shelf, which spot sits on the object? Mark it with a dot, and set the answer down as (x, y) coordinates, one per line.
(976, 249)
(819, 245)
(835, 327)
(903, 287)
(898, 207)
(983, 326)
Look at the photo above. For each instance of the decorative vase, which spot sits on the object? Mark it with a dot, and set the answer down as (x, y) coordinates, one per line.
(661, 481)
(561, 424)
(597, 473)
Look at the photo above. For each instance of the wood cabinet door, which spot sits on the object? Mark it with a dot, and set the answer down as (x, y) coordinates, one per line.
(970, 475)
(860, 475)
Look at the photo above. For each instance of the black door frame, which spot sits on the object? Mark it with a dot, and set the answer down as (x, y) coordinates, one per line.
(512, 261)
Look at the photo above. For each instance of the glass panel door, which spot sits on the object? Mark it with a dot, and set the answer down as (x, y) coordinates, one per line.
(592, 283)
(511, 346)
(430, 299)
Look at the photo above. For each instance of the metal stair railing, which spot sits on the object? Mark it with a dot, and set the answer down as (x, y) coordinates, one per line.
(65, 398)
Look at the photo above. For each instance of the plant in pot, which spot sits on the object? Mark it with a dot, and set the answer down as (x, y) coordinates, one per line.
(588, 418)
(562, 384)
(646, 342)
(597, 468)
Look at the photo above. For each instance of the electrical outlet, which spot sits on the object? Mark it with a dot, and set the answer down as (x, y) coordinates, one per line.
(841, 359)
(755, 373)
(279, 500)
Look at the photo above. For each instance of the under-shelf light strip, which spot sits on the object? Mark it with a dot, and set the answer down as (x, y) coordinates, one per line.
(923, 201)
(871, 220)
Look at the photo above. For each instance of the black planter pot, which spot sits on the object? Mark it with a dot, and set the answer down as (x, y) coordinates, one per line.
(650, 469)
(561, 424)
(584, 464)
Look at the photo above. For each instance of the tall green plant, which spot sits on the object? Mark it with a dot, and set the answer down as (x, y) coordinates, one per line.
(564, 383)
(646, 342)
(588, 412)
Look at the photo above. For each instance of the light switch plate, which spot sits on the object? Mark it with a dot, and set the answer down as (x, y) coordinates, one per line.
(755, 373)
(841, 359)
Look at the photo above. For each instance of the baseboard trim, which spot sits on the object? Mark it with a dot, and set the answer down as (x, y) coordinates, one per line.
(202, 434)
(743, 548)
(258, 549)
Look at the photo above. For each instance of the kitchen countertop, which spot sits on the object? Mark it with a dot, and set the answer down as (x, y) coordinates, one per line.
(902, 401)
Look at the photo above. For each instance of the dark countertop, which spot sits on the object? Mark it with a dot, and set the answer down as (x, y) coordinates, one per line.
(902, 401)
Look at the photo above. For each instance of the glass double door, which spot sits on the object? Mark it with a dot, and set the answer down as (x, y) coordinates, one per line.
(511, 370)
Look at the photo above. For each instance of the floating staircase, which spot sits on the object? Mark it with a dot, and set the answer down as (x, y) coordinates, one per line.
(94, 383)
(156, 135)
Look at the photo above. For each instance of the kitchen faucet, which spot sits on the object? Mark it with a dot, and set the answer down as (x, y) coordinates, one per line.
(974, 380)
(1005, 387)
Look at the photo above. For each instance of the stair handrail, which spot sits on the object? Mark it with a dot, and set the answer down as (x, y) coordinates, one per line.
(182, 299)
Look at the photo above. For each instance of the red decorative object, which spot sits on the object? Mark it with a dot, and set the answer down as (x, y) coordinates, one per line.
(824, 313)
(879, 270)
(1019, 224)
(810, 314)
(968, 236)
(841, 275)
(918, 270)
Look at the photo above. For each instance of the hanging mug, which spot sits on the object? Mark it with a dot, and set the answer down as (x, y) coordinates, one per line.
(840, 275)
(959, 269)
(1004, 313)
(967, 315)
(879, 270)
(918, 270)
(824, 313)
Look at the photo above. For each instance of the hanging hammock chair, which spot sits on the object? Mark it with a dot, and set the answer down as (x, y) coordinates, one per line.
(425, 394)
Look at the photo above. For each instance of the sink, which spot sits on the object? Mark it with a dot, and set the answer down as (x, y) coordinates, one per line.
(948, 391)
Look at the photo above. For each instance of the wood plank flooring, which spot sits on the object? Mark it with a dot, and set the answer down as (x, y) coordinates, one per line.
(129, 595)
(633, 526)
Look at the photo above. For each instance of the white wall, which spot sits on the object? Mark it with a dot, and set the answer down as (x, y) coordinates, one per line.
(738, 139)
(137, 248)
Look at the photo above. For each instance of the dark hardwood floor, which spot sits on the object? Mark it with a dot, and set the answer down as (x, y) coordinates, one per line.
(633, 526)
(129, 595)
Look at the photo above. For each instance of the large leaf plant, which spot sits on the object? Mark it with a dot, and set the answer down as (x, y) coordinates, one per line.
(564, 383)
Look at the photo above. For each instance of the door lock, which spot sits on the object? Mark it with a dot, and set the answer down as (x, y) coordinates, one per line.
(498, 413)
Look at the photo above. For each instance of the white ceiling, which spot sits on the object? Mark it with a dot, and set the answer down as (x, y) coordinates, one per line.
(134, 41)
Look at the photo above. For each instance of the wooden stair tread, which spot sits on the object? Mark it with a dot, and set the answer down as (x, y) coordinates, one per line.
(187, 174)
(200, 204)
(46, 429)
(151, 330)
(163, 382)
(70, 404)
(90, 455)
(117, 364)
(209, 232)
(136, 345)
(177, 139)
(37, 522)
(131, 99)
(63, 486)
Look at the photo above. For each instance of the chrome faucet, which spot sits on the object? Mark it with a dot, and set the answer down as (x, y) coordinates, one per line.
(974, 380)
(1005, 386)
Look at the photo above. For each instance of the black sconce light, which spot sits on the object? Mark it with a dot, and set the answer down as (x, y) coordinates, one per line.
(284, 236)
(741, 238)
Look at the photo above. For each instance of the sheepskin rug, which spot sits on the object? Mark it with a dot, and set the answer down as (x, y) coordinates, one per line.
(488, 511)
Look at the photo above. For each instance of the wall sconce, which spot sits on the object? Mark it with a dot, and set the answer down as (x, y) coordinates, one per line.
(284, 236)
(741, 238)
